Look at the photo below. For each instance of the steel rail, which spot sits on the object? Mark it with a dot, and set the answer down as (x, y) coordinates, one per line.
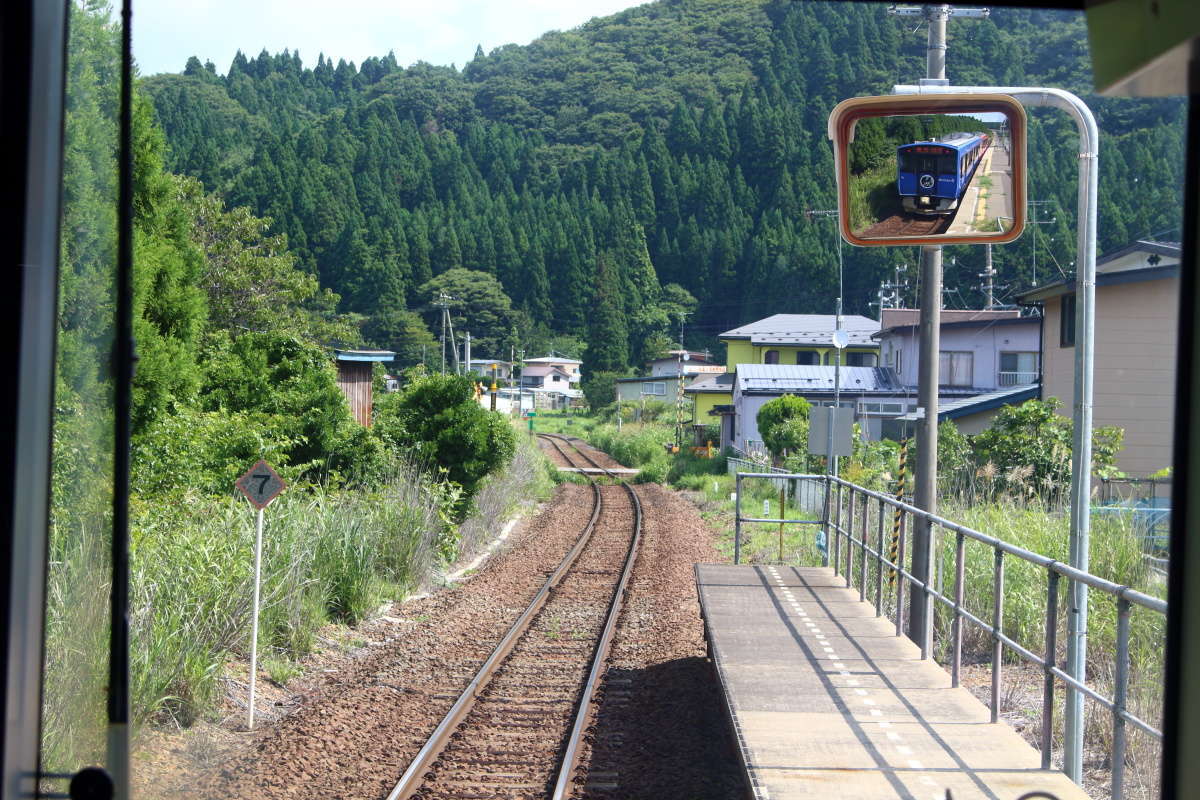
(410, 782)
(599, 666)
(413, 777)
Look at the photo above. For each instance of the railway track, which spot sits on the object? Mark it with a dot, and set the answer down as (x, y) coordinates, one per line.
(517, 729)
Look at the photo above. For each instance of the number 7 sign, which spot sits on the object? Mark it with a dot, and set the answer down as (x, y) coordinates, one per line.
(261, 484)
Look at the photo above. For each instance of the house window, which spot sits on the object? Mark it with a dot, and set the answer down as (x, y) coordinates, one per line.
(771, 357)
(955, 368)
(807, 358)
(1066, 321)
(654, 387)
(896, 353)
(860, 359)
(1018, 369)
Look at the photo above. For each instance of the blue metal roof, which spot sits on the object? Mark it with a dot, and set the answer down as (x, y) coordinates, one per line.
(364, 355)
(980, 402)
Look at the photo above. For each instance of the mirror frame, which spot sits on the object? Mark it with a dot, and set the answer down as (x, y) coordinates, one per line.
(841, 131)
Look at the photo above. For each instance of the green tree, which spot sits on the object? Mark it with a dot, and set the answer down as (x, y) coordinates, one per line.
(442, 422)
(478, 305)
(783, 424)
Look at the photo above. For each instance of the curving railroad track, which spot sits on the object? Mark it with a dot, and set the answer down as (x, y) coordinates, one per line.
(517, 729)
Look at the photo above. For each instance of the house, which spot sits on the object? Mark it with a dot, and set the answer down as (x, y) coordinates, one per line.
(971, 415)
(662, 382)
(781, 339)
(544, 376)
(873, 393)
(568, 366)
(1136, 313)
(981, 351)
(692, 362)
(490, 367)
(354, 379)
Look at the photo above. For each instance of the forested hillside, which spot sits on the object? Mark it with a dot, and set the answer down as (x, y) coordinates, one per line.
(676, 145)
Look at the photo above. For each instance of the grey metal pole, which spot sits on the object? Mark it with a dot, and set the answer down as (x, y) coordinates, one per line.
(1085, 331)
(920, 614)
(920, 611)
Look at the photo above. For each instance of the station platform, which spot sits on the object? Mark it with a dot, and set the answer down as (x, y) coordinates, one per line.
(827, 702)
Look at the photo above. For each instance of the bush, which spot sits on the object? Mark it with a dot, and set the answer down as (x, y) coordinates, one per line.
(438, 417)
(783, 423)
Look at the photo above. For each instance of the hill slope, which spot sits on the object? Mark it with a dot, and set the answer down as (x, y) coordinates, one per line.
(678, 142)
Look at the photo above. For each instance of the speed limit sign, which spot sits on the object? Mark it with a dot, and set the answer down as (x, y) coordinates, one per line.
(261, 484)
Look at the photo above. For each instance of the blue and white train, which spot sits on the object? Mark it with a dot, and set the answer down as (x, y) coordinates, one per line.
(931, 176)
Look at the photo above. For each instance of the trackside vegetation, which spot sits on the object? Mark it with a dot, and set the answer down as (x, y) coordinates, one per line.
(235, 346)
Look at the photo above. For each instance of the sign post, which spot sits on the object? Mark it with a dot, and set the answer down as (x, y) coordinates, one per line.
(261, 484)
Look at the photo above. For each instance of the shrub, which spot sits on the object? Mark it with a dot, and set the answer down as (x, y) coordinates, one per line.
(438, 417)
(783, 423)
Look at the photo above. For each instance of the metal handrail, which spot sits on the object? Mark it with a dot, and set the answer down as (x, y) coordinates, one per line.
(841, 529)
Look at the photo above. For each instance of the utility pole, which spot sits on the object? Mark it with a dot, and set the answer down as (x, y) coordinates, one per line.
(838, 343)
(467, 353)
(920, 618)
(1033, 220)
(679, 386)
(989, 277)
(443, 302)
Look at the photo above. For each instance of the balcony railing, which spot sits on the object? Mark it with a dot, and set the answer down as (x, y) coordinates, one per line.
(1018, 378)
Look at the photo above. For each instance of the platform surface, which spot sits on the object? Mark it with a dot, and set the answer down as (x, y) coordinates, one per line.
(827, 702)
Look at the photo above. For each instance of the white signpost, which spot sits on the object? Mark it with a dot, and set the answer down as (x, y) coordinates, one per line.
(261, 484)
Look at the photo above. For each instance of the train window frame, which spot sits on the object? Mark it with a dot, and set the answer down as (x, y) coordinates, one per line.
(846, 115)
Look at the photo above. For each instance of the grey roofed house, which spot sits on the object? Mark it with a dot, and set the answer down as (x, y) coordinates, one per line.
(803, 380)
(814, 329)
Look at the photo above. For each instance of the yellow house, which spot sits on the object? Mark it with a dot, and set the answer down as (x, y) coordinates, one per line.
(805, 339)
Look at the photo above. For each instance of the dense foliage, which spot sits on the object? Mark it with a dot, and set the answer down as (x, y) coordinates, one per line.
(676, 142)
(783, 423)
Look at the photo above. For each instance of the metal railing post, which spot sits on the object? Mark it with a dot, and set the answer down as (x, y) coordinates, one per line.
(1051, 658)
(1120, 698)
(862, 564)
(825, 519)
(879, 561)
(960, 543)
(900, 579)
(737, 518)
(997, 621)
(835, 543)
(849, 535)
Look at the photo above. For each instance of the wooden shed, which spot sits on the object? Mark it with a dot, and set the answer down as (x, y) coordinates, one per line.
(354, 379)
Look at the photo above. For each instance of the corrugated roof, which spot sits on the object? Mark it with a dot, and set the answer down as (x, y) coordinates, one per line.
(364, 355)
(981, 402)
(802, 378)
(552, 360)
(722, 383)
(803, 329)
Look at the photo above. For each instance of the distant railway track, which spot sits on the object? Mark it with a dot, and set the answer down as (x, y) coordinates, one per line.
(903, 224)
(517, 729)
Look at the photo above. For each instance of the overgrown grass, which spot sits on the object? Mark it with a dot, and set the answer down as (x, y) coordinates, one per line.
(327, 556)
(638, 446)
(873, 195)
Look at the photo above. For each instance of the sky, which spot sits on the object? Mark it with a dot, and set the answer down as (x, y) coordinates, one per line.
(166, 32)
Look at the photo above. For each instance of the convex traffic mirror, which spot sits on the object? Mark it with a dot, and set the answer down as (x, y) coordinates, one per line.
(930, 169)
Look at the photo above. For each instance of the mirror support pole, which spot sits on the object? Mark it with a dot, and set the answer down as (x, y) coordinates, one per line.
(1085, 331)
(920, 610)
